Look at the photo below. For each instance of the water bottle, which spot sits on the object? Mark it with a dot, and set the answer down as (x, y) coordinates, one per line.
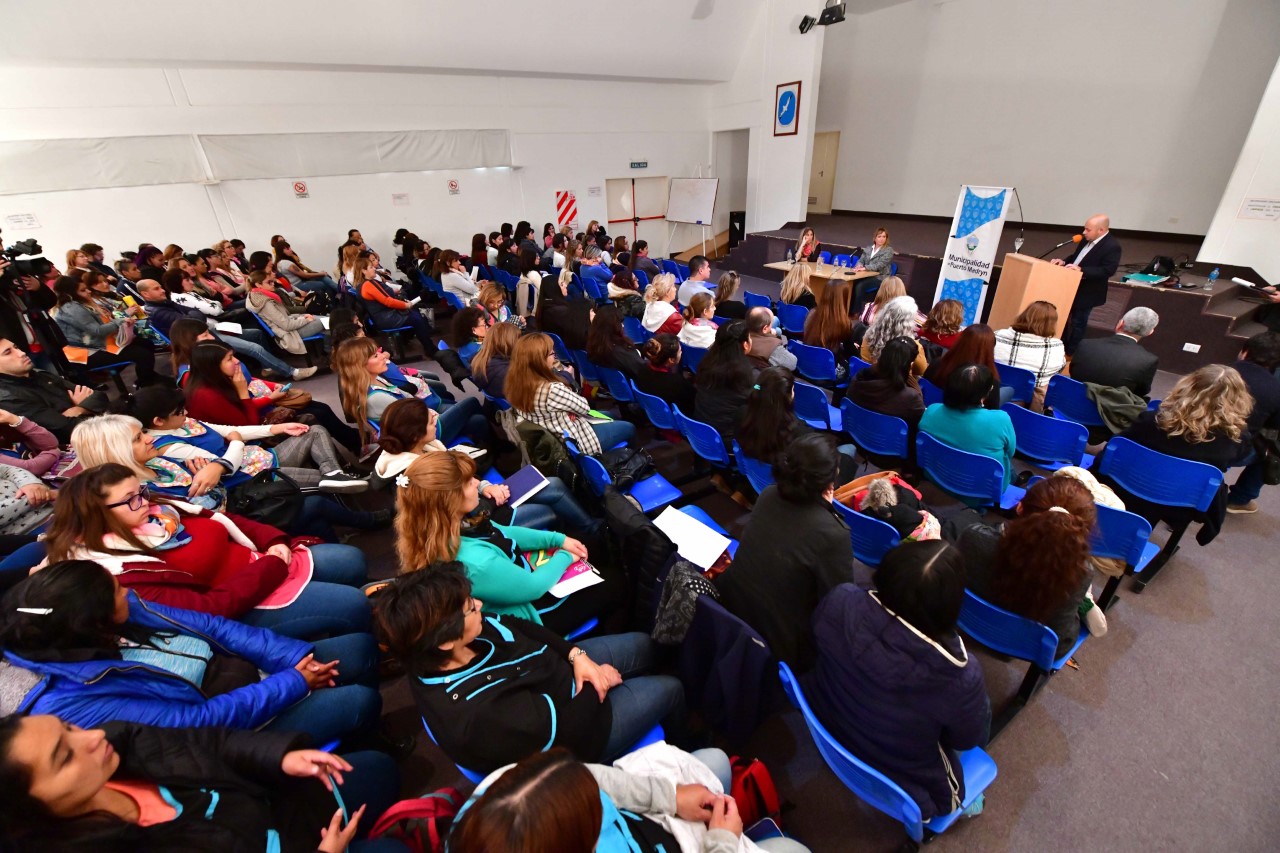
(1213, 276)
(790, 255)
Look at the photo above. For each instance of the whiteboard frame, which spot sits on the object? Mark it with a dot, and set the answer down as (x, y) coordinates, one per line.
(716, 197)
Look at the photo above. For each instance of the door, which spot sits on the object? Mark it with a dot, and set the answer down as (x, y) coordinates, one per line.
(822, 172)
(637, 209)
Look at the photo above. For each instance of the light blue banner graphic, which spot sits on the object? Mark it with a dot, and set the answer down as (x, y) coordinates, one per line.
(971, 248)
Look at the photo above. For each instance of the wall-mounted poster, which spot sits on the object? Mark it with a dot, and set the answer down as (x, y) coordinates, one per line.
(786, 109)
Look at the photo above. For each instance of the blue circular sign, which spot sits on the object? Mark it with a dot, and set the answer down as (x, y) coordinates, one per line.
(787, 108)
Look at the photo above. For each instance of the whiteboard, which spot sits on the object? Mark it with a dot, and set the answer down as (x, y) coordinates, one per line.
(692, 200)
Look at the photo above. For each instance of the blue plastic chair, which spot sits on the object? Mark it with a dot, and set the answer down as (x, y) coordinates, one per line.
(824, 257)
(642, 278)
(792, 318)
(1070, 402)
(587, 372)
(652, 493)
(454, 300)
(813, 408)
(697, 512)
(872, 432)
(1019, 637)
(1021, 380)
(691, 357)
(1162, 480)
(617, 383)
(755, 300)
(759, 474)
(655, 409)
(562, 351)
(815, 363)
(682, 270)
(308, 341)
(871, 537)
(967, 475)
(873, 787)
(1047, 442)
(844, 260)
(636, 330)
(582, 630)
(703, 438)
(1124, 536)
(501, 404)
(857, 365)
(931, 393)
(670, 266)
(893, 268)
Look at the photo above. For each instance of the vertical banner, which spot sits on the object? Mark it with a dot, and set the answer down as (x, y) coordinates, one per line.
(566, 209)
(971, 248)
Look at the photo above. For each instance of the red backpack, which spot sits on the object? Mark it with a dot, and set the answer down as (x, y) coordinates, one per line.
(421, 824)
(753, 791)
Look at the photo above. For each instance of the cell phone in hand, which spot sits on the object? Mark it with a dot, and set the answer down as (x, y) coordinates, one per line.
(285, 387)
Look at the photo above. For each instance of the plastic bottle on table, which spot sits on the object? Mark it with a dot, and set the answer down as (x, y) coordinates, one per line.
(1213, 277)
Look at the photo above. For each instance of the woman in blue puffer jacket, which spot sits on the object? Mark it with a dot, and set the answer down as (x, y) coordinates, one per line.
(80, 646)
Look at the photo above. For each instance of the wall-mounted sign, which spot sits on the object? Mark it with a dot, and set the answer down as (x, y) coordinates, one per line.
(21, 221)
(1260, 208)
(399, 199)
(453, 188)
(593, 192)
(639, 164)
(786, 109)
(566, 209)
(300, 189)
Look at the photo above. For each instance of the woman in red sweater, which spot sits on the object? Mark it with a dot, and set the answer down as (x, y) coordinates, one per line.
(179, 555)
(218, 393)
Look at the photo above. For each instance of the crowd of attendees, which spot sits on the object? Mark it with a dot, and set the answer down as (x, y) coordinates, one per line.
(181, 622)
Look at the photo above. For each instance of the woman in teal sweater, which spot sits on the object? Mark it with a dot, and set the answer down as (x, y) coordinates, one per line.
(512, 569)
(963, 423)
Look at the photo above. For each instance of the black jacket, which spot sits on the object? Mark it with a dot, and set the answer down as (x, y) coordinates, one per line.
(626, 359)
(43, 397)
(732, 309)
(494, 380)
(669, 385)
(1118, 362)
(164, 314)
(1099, 265)
(1265, 389)
(871, 392)
(790, 557)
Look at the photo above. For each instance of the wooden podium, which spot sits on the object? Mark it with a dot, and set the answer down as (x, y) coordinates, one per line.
(1023, 280)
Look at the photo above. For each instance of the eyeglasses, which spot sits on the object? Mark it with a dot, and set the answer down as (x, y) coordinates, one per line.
(133, 502)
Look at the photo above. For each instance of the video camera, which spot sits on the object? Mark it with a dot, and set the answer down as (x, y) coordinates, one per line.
(33, 266)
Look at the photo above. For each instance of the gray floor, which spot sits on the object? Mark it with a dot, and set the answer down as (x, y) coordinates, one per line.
(1165, 738)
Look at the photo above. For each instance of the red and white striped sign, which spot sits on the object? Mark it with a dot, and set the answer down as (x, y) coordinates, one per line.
(566, 209)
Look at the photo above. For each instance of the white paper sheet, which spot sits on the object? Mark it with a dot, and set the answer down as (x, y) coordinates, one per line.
(696, 542)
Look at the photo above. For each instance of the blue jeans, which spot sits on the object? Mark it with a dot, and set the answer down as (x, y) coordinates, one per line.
(331, 604)
(352, 706)
(639, 703)
(319, 514)
(464, 417)
(614, 432)
(1247, 486)
(324, 282)
(556, 496)
(257, 352)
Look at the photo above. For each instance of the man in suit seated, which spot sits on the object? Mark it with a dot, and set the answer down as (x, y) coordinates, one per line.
(1256, 365)
(1097, 258)
(1120, 361)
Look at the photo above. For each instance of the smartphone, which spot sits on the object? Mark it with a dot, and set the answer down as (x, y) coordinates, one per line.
(285, 387)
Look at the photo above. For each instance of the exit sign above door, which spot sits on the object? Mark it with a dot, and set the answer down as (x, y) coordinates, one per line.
(639, 164)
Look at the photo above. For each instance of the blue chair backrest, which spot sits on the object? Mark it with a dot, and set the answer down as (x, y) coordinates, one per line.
(655, 409)
(594, 289)
(1161, 479)
(586, 370)
(817, 363)
(562, 351)
(857, 365)
(811, 404)
(893, 268)
(1021, 380)
(642, 278)
(691, 357)
(843, 260)
(669, 265)
(1120, 534)
(455, 300)
(1046, 440)
(824, 257)
(502, 404)
(472, 776)
(792, 317)
(682, 270)
(617, 383)
(755, 300)
(636, 330)
(959, 472)
(1070, 401)
(703, 438)
(868, 784)
(871, 537)
(931, 393)
(759, 474)
(1008, 633)
(593, 469)
(873, 432)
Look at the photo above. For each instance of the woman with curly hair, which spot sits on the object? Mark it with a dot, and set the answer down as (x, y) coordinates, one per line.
(1202, 419)
(943, 324)
(896, 320)
(1037, 565)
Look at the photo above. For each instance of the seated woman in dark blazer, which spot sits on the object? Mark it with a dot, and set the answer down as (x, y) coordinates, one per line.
(558, 315)
(888, 386)
(795, 549)
(662, 377)
(724, 379)
(769, 423)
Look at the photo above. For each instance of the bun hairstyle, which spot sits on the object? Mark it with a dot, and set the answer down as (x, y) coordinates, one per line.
(661, 350)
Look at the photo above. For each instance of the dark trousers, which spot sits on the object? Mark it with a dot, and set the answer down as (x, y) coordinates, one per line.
(1077, 325)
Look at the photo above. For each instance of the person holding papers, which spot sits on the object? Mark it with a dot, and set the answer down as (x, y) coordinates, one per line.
(513, 569)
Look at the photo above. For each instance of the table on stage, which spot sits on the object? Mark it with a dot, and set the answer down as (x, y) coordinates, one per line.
(822, 275)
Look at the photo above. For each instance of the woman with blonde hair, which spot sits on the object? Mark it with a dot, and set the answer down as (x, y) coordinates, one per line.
(944, 323)
(892, 288)
(511, 568)
(896, 320)
(660, 314)
(878, 258)
(1030, 344)
(539, 394)
(795, 287)
(726, 290)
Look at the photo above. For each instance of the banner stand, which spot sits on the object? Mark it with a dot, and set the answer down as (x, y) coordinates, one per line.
(971, 249)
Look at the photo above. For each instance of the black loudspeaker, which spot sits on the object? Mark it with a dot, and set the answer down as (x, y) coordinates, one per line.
(737, 227)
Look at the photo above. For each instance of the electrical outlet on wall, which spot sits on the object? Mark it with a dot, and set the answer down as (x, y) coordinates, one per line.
(1191, 347)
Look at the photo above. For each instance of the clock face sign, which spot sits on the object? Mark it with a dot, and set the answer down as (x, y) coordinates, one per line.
(787, 110)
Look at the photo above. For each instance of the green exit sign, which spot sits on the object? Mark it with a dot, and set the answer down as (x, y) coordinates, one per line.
(639, 164)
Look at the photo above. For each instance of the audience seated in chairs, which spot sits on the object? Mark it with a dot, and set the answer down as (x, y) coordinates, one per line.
(609, 346)
(894, 683)
(626, 293)
(961, 422)
(559, 315)
(530, 276)
(660, 314)
(699, 330)
(589, 697)
(493, 299)
(794, 550)
(299, 275)
(467, 332)
(1030, 344)
(452, 275)
(726, 290)
(976, 345)
(768, 346)
(386, 310)
(490, 364)
(640, 260)
(1037, 565)
(892, 288)
(724, 380)
(896, 320)
(101, 653)
(181, 289)
(828, 326)
(94, 338)
(26, 503)
(661, 375)
(769, 423)
(289, 327)
(943, 324)
(795, 287)
(888, 387)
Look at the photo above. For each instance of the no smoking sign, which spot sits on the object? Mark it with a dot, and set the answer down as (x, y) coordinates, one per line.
(300, 189)
(453, 188)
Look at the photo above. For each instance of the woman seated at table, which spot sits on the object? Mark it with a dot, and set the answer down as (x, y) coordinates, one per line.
(1037, 565)
(878, 258)
(609, 346)
(101, 653)
(409, 431)
(888, 386)
(699, 329)
(660, 314)
(807, 247)
(131, 787)
(975, 345)
(829, 327)
(961, 422)
(662, 377)
(795, 287)
(542, 691)
(1030, 344)
(894, 683)
(943, 324)
(896, 320)
(769, 423)
(180, 555)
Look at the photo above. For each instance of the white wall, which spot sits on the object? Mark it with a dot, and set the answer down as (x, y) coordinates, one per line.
(1137, 109)
(1251, 242)
(553, 122)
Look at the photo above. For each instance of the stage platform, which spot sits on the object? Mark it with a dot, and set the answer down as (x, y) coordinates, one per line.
(1216, 321)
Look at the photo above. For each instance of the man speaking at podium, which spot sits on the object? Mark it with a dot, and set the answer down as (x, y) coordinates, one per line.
(1097, 257)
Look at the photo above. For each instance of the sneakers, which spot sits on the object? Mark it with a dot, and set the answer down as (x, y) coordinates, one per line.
(1243, 509)
(337, 481)
(303, 373)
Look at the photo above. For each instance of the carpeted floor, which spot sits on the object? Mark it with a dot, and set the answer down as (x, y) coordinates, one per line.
(1165, 738)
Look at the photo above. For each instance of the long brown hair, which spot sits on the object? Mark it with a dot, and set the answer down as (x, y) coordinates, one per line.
(828, 325)
(500, 341)
(444, 262)
(351, 361)
(1039, 318)
(429, 520)
(183, 336)
(549, 801)
(529, 371)
(1041, 559)
(80, 517)
(976, 345)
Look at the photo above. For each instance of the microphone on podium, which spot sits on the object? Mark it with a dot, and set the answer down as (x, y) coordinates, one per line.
(1076, 238)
